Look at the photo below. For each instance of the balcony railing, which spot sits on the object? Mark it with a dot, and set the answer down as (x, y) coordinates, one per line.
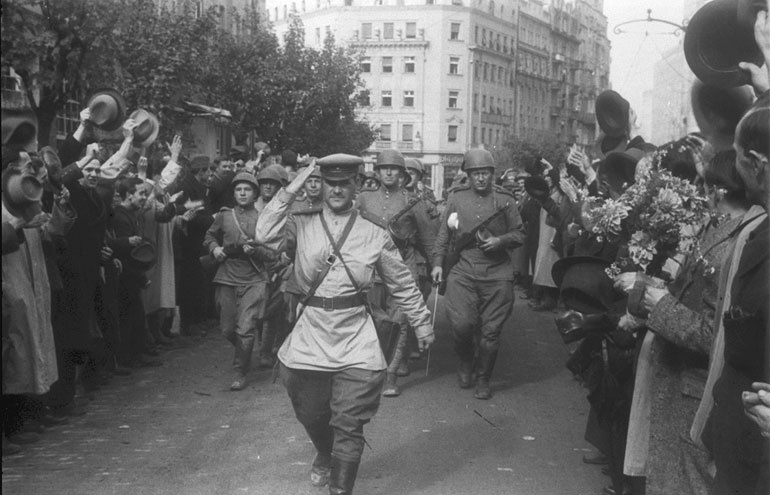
(398, 145)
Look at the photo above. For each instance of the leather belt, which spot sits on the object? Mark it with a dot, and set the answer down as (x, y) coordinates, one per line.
(340, 302)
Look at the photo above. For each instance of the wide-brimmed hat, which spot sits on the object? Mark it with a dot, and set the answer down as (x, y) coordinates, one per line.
(715, 42)
(584, 285)
(339, 166)
(144, 255)
(52, 163)
(21, 193)
(612, 113)
(537, 187)
(147, 127)
(19, 127)
(108, 109)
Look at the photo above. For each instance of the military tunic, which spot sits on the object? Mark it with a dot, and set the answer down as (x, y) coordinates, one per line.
(343, 338)
(479, 287)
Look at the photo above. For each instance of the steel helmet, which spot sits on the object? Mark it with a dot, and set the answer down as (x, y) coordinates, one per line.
(478, 159)
(273, 172)
(390, 158)
(415, 164)
(247, 177)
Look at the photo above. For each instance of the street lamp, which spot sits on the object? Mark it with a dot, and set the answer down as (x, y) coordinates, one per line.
(677, 28)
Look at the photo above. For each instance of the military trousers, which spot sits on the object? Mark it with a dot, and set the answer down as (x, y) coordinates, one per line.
(477, 309)
(334, 406)
(240, 308)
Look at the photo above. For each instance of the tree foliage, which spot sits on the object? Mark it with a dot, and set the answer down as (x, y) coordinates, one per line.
(290, 95)
(518, 152)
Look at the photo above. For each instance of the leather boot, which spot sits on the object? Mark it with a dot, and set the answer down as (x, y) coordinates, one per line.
(465, 374)
(487, 360)
(321, 470)
(343, 477)
(391, 389)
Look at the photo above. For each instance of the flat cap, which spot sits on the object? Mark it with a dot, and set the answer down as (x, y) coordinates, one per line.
(339, 166)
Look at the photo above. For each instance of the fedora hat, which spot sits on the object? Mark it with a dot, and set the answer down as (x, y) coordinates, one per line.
(612, 113)
(108, 109)
(52, 163)
(147, 127)
(19, 127)
(583, 284)
(21, 193)
(144, 255)
(716, 41)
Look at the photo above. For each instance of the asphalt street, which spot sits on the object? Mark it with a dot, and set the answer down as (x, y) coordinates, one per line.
(177, 429)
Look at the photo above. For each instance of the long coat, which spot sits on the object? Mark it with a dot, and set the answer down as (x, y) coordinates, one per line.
(684, 324)
(29, 353)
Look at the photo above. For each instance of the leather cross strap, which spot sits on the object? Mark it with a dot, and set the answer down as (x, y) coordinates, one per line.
(336, 246)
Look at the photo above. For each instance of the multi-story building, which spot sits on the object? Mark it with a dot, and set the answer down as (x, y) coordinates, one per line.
(445, 76)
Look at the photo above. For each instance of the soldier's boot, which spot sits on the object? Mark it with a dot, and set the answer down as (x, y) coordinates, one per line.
(487, 360)
(403, 367)
(391, 389)
(465, 374)
(343, 477)
(321, 469)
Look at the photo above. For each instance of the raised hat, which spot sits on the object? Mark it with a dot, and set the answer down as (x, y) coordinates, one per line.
(716, 41)
(476, 159)
(537, 187)
(147, 129)
(619, 167)
(21, 193)
(612, 112)
(108, 109)
(339, 166)
(52, 163)
(19, 127)
(198, 162)
(583, 284)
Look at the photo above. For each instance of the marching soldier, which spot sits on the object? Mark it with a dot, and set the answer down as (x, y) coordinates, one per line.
(331, 363)
(478, 227)
(405, 216)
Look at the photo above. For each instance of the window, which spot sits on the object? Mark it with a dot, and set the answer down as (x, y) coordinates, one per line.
(285, 11)
(385, 132)
(486, 71)
(457, 2)
(452, 134)
(387, 31)
(409, 64)
(387, 98)
(475, 101)
(387, 64)
(500, 75)
(366, 64)
(454, 31)
(483, 103)
(453, 96)
(407, 131)
(317, 36)
(454, 65)
(475, 34)
(408, 98)
(67, 121)
(475, 135)
(366, 30)
(411, 30)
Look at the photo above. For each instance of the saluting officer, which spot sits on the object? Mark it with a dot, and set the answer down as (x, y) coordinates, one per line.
(406, 217)
(331, 363)
(480, 224)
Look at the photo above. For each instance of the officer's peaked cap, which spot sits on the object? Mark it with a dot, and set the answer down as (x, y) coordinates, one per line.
(339, 166)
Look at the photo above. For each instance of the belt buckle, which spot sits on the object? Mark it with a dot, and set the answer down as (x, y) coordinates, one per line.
(328, 303)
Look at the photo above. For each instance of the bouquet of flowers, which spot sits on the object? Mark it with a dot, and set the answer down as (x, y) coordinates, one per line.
(654, 219)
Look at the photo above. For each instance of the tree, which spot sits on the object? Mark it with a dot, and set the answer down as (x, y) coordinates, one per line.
(519, 152)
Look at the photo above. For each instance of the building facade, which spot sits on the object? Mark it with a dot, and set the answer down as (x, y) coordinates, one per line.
(445, 76)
